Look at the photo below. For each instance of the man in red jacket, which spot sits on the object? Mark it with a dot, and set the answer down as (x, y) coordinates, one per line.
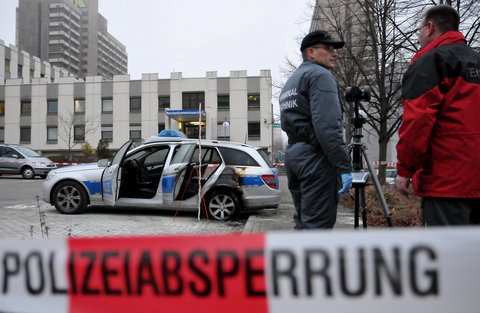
(439, 146)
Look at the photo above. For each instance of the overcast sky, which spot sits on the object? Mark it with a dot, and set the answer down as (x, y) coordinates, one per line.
(194, 37)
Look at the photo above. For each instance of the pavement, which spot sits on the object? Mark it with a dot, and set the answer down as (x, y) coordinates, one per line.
(23, 215)
(281, 219)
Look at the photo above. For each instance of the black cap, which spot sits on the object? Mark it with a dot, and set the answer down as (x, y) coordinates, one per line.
(320, 36)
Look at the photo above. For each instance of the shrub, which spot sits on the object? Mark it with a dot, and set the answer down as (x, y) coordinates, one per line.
(103, 151)
(406, 211)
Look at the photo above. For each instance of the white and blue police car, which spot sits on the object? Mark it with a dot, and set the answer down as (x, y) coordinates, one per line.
(165, 173)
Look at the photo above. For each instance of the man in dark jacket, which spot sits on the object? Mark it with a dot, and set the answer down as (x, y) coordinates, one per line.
(439, 146)
(311, 115)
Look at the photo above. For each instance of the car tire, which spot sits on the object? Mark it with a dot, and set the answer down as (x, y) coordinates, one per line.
(222, 205)
(69, 197)
(28, 172)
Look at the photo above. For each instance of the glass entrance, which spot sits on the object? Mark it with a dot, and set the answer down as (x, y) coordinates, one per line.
(191, 130)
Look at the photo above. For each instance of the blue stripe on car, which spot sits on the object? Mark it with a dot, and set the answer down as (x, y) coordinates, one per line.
(167, 184)
(93, 186)
(252, 181)
(107, 187)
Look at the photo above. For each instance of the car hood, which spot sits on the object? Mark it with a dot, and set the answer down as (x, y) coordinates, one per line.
(80, 167)
(40, 160)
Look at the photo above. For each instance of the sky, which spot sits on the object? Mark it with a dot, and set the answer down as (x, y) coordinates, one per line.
(193, 37)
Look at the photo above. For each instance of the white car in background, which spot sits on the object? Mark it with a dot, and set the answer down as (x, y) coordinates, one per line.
(163, 174)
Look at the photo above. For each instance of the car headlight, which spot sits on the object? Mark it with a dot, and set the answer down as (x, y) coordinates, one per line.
(50, 175)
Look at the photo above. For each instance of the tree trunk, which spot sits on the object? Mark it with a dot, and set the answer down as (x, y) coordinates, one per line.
(382, 157)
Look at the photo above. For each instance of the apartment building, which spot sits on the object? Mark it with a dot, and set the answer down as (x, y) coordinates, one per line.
(72, 35)
(45, 109)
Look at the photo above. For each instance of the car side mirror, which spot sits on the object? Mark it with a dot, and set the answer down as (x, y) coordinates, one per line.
(103, 163)
(15, 156)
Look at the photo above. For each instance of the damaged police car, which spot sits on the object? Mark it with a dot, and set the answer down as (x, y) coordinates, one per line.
(164, 173)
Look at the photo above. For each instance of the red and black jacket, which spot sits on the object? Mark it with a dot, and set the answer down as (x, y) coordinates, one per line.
(439, 142)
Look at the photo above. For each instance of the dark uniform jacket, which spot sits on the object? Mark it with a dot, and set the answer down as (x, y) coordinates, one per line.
(311, 112)
(440, 133)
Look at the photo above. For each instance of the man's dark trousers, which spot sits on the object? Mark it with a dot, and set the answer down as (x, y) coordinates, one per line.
(312, 181)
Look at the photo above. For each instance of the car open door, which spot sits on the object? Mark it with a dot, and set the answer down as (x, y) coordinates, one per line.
(110, 175)
(174, 174)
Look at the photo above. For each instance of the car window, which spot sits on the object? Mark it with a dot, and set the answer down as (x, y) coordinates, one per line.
(209, 155)
(183, 154)
(157, 157)
(265, 158)
(28, 152)
(237, 157)
(9, 153)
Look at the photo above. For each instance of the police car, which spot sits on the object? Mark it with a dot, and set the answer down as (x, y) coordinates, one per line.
(165, 173)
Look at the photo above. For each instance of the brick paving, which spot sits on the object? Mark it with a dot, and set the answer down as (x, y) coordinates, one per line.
(31, 218)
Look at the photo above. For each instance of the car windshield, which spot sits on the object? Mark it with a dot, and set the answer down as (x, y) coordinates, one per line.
(28, 152)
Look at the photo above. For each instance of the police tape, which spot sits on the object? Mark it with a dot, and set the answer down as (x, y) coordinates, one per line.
(388, 164)
(417, 270)
(42, 163)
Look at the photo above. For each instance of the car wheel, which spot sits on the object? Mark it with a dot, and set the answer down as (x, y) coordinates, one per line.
(223, 205)
(69, 197)
(27, 172)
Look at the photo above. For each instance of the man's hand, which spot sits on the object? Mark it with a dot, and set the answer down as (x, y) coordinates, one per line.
(402, 185)
(346, 183)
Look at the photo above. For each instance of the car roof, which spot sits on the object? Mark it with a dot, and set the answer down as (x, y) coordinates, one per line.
(157, 139)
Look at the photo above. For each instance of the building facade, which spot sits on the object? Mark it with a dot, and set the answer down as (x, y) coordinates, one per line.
(72, 35)
(48, 110)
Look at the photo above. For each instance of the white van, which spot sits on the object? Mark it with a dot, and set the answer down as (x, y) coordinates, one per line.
(15, 159)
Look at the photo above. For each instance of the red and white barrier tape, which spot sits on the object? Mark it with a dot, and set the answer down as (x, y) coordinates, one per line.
(415, 270)
(43, 163)
(373, 163)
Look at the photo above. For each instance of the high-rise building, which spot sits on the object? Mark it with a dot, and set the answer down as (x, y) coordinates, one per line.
(70, 34)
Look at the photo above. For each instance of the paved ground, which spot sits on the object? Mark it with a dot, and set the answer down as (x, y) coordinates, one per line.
(23, 215)
(281, 219)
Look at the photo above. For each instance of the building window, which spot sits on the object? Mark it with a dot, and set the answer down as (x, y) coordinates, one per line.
(223, 130)
(254, 130)
(26, 108)
(2, 135)
(163, 103)
(25, 134)
(107, 133)
(7, 65)
(135, 132)
(161, 126)
(2, 107)
(79, 106)
(79, 132)
(107, 105)
(52, 134)
(223, 102)
(135, 104)
(253, 101)
(52, 107)
(19, 71)
(190, 100)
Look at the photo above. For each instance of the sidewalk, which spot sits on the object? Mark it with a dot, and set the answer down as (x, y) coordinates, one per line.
(281, 219)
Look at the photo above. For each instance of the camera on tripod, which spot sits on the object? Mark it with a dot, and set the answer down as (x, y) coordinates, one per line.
(354, 94)
(357, 149)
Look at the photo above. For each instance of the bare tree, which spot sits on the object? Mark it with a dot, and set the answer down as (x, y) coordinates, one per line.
(75, 128)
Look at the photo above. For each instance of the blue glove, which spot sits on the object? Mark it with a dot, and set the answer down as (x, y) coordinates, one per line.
(346, 183)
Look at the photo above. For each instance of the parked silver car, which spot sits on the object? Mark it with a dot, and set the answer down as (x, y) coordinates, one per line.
(164, 173)
(16, 159)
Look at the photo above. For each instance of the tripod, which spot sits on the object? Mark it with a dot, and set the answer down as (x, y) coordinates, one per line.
(360, 177)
